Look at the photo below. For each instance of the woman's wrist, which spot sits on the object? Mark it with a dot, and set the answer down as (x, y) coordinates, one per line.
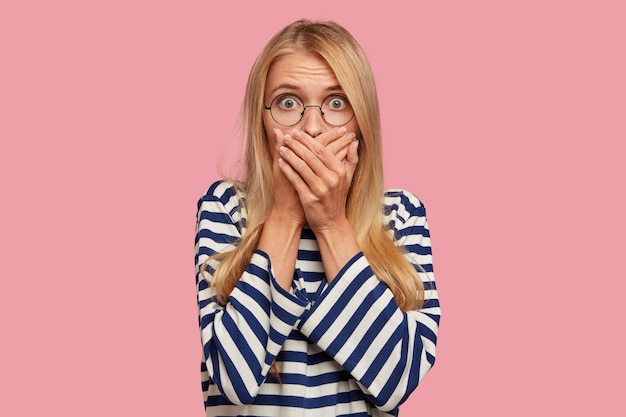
(279, 239)
(337, 245)
(285, 219)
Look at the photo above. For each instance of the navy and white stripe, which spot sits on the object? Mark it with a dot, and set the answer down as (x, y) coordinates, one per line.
(343, 349)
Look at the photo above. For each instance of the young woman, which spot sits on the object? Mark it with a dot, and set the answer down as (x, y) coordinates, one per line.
(315, 287)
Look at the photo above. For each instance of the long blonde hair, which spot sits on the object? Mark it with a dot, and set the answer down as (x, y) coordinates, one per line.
(364, 211)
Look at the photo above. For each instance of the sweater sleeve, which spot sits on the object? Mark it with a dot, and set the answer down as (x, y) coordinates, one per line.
(357, 320)
(241, 339)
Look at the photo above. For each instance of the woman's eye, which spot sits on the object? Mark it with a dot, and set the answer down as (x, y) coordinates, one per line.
(288, 103)
(337, 103)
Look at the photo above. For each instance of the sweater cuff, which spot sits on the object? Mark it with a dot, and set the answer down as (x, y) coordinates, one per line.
(346, 285)
(292, 304)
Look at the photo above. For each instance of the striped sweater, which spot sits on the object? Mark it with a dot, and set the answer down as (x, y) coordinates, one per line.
(343, 349)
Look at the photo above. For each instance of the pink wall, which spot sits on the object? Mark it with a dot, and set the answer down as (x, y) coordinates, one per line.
(507, 120)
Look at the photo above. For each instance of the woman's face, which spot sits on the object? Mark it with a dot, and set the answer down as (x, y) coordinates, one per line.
(308, 78)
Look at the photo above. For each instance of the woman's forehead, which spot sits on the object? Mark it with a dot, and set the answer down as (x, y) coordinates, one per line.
(301, 71)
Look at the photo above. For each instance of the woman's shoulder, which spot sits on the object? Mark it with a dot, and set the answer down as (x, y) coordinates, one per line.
(224, 196)
(222, 191)
(400, 205)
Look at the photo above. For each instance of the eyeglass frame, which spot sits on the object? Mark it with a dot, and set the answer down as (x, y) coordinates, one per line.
(305, 107)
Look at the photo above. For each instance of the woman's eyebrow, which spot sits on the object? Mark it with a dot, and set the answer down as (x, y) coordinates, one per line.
(284, 87)
(334, 88)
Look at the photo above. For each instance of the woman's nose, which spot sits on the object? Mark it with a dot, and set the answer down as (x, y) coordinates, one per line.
(312, 121)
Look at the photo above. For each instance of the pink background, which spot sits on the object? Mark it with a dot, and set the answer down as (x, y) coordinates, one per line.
(506, 118)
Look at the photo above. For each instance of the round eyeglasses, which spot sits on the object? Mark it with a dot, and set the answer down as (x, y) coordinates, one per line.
(288, 110)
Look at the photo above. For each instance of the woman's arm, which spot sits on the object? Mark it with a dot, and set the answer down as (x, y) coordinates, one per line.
(241, 339)
(357, 320)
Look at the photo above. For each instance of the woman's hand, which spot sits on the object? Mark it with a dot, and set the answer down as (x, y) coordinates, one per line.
(287, 204)
(320, 170)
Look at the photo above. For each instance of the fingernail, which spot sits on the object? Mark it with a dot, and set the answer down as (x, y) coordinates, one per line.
(342, 130)
(282, 150)
(296, 133)
(287, 138)
(352, 136)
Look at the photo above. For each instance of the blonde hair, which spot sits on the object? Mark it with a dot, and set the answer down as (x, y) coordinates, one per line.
(345, 57)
